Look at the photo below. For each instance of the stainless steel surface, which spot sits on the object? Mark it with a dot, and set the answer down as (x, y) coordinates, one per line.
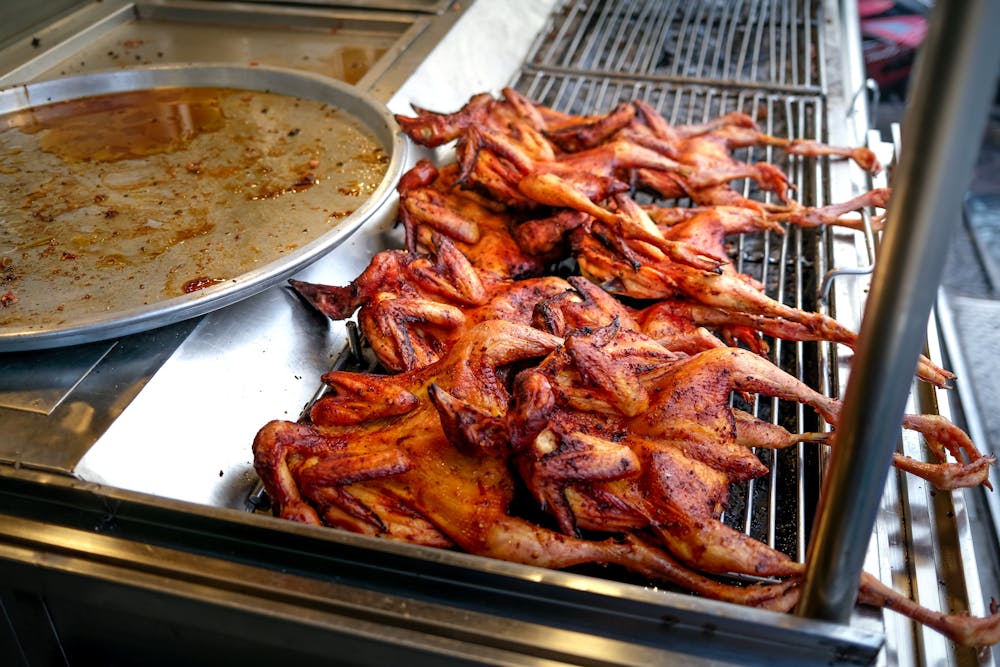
(948, 107)
(349, 45)
(58, 440)
(79, 408)
(179, 426)
(40, 384)
(923, 540)
(430, 6)
(257, 581)
(102, 305)
(978, 510)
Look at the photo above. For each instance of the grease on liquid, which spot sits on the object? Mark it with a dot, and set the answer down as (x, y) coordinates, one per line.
(123, 126)
(120, 201)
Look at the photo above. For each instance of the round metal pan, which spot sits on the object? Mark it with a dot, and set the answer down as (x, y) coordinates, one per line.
(295, 107)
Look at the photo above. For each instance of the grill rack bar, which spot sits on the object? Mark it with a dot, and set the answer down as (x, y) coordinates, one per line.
(747, 43)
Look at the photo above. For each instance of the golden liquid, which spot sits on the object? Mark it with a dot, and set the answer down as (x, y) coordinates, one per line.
(122, 126)
(122, 201)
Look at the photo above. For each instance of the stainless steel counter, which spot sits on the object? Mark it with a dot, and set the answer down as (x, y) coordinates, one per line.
(150, 431)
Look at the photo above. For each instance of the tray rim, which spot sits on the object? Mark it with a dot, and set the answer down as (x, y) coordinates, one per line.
(297, 83)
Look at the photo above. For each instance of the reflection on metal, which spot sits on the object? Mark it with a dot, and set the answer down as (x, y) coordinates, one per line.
(40, 383)
(261, 580)
(347, 45)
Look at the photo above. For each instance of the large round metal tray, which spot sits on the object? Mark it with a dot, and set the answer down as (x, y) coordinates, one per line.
(109, 318)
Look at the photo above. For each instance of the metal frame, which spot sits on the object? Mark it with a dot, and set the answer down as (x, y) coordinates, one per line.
(149, 557)
(76, 548)
(945, 118)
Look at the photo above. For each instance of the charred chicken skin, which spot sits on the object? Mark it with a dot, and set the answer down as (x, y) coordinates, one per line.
(568, 200)
(614, 433)
(615, 418)
(657, 277)
(412, 307)
(375, 459)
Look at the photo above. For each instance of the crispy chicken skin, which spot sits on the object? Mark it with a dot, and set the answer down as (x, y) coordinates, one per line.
(612, 432)
(375, 460)
(550, 340)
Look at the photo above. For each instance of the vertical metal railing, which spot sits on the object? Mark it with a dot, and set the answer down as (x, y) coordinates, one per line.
(950, 97)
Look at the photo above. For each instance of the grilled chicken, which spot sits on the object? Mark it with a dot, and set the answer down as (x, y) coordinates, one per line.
(614, 433)
(615, 417)
(585, 308)
(375, 460)
(574, 189)
(432, 203)
(708, 148)
(413, 307)
(645, 274)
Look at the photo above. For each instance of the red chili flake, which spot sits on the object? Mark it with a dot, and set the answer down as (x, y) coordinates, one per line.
(68, 255)
(7, 299)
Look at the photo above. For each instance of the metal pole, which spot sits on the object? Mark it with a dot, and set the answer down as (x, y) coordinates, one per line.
(949, 100)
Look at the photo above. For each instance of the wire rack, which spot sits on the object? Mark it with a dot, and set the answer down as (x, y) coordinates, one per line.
(776, 509)
(755, 43)
(694, 61)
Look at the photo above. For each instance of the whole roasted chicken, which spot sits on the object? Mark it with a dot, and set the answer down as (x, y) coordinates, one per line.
(413, 306)
(614, 433)
(374, 458)
(552, 341)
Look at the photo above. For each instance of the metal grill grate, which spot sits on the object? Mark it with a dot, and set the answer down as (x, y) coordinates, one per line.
(753, 43)
(696, 61)
(776, 509)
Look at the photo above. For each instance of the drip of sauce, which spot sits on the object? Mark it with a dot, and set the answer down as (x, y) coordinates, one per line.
(123, 126)
(201, 282)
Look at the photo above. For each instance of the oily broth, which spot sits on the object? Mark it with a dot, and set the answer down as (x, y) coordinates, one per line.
(120, 201)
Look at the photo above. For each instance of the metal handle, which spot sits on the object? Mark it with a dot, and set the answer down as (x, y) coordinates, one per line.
(949, 101)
